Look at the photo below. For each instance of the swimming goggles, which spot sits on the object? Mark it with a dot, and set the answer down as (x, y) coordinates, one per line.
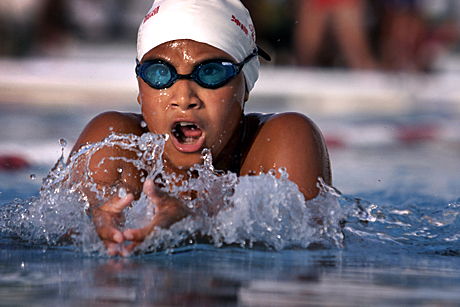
(210, 74)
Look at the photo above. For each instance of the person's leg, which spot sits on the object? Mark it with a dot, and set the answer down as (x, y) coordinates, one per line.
(348, 18)
(403, 32)
(311, 24)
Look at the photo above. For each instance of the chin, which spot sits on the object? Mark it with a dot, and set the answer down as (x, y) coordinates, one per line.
(183, 162)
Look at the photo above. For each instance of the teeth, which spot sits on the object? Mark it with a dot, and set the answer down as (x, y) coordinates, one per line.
(181, 129)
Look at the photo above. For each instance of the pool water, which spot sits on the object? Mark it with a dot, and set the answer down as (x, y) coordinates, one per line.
(400, 242)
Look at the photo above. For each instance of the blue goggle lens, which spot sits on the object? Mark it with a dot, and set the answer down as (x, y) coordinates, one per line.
(158, 74)
(213, 74)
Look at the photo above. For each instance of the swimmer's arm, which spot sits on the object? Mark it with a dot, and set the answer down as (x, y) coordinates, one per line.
(104, 124)
(101, 188)
(293, 141)
(107, 175)
(105, 171)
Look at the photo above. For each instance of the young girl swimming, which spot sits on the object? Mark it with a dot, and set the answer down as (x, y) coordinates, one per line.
(197, 63)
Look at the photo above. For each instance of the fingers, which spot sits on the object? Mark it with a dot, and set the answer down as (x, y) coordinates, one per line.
(137, 235)
(110, 233)
(107, 219)
(155, 194)
(149, 187)
(169, 209)
(117, 204)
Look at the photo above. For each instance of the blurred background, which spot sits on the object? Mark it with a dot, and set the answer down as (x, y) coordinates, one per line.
(371, 74)
(356, 34)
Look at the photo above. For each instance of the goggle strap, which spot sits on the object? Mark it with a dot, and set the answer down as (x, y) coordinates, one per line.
(263, 54)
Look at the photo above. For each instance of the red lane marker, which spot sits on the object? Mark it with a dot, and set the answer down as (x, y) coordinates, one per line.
(13, 162)
(416, 133)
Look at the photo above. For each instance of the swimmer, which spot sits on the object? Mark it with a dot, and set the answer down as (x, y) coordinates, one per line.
(197, 62)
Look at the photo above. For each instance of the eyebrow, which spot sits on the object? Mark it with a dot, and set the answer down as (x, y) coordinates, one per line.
(216, 59)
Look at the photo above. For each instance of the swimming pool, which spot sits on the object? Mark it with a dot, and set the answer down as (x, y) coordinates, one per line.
(400, 242)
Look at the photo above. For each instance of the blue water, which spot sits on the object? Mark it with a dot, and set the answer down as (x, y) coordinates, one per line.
(392, 240)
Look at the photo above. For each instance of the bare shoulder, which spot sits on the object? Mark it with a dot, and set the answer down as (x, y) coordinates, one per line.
(295, 130)
(103, 124)
(292, 141)
(286, 123)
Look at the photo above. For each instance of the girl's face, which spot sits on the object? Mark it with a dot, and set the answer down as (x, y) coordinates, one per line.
(194, 117)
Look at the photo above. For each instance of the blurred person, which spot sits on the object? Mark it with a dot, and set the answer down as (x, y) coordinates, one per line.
(415, 32)
(345, 18)
(18, 22)
(52, 30)
(443, 30)
(32, 26)
(403, 32)
(97, 20)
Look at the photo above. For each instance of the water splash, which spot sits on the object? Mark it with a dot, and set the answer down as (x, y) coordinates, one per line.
(420, 224)
(246, 211)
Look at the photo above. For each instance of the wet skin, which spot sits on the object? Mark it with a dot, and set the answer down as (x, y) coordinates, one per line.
(195, 118)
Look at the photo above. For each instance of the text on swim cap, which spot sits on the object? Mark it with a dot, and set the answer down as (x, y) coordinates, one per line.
(151, 14)
(243, 27)
(240, 24)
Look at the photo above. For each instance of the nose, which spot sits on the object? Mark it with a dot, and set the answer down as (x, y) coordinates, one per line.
(184, 95)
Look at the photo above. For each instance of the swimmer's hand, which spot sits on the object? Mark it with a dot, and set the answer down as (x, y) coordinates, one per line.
(169, 210)
(107, 218)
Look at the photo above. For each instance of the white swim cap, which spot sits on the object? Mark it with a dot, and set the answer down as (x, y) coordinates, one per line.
(224, 24)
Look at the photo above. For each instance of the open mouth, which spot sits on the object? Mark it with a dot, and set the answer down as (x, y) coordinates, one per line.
(186, 133)
(187, 136)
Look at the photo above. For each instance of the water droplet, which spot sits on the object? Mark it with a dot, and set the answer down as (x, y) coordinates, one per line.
(143, 124)
(119, 170)
(122, 192)
(63, 143)
(33, 176)
(111, 128)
